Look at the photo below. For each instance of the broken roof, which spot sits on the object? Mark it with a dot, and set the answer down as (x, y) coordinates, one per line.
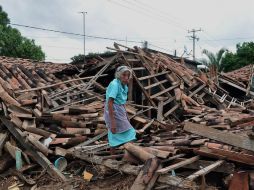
(48, 67)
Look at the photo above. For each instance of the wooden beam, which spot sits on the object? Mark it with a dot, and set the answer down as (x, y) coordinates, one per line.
(178, 165)
(197, 90)
(226, 154)
(90, 141)
(169, 100)
(226, 167)
(137, 68)
(3, 138)
(228, 138)
(154, 75)
(177, 183)
(236, 86)
(145, 174)
(146, 126)
(56, 84)
(155, 84)
(162, 92)
(171, 110)
(205, 170)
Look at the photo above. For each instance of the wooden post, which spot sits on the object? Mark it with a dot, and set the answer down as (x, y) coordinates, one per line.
(149, 93)
(130, 92)
(160, 109)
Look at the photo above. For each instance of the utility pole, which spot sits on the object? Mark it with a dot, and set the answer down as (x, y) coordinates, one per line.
(84, 33)
(194, 38)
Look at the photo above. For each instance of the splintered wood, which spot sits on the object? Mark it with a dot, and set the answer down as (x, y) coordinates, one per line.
(188, 127)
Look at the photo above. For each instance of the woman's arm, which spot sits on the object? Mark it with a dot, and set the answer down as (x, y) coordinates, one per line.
(111, 115)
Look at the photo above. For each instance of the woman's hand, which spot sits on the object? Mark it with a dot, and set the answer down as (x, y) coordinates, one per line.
(111, 115)
(113, 127)
(113, 130)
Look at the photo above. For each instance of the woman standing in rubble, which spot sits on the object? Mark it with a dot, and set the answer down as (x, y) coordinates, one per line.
(120, 131)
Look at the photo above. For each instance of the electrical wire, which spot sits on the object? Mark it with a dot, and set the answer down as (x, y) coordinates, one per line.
(160, 47)
(159, 15)
(144, 13)
(154, 8)
(74, 34)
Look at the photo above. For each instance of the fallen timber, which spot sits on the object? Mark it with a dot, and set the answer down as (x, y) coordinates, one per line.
(188, 127)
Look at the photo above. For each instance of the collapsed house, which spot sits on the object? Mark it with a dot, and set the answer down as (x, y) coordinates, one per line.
(191, 133)
(239, 81)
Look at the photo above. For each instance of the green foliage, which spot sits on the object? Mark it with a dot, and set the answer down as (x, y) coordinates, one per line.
(244, 56)
(79, 59)
(13, 44)
(214, 59)
(4, 20)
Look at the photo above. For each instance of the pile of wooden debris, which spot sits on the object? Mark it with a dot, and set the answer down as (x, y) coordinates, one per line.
(191, 134)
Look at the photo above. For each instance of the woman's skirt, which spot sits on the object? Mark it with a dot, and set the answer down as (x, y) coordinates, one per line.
(118, 139)
(124, 130)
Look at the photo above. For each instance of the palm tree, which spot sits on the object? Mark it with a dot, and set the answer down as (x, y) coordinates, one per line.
(214, 58)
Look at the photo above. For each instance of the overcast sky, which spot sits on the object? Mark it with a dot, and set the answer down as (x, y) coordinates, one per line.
(163, 23)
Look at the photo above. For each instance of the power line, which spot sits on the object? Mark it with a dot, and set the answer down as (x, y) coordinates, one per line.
(160, 47)
(144, 12)
(159, 15)
(63, 47)
(74, 34)
(153, 8)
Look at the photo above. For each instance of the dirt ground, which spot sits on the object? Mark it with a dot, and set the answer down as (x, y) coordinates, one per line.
(114, 182)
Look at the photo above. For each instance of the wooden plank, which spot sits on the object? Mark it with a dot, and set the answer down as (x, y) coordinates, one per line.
(178, 165)
(236, 86)
(56, 84)
(226, 154)
(177, 183)
(133, 60)
(151, 76)
(197, 90)
(146, 126)
(155, 84)
(138, 68)
(169, 100)
(145, 174)
(37, 156)
(205, 170)
(3, 138)
(90, 140)
(228, 138)
(226, 167)
(164, 91)
(130, 91)
(153, 180)
(171, 110)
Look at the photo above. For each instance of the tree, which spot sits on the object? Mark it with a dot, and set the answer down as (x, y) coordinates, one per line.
(13, 44)
(244, 56)
(214, 58)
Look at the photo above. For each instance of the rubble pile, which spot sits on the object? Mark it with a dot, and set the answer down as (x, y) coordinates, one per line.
(191, 134)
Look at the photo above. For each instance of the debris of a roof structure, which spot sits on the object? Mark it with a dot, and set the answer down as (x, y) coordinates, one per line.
(191, 134)
(240, 79)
